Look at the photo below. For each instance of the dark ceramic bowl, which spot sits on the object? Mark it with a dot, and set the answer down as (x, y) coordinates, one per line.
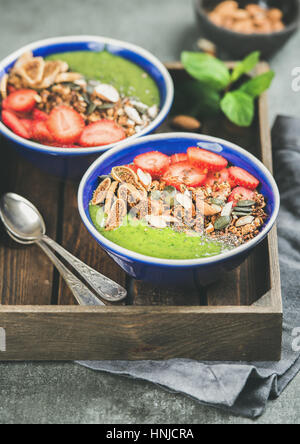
(239, 45)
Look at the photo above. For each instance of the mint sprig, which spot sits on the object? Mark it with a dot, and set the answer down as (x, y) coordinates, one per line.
(237, 104)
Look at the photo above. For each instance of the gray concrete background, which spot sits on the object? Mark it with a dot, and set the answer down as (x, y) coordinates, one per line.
(67, 393)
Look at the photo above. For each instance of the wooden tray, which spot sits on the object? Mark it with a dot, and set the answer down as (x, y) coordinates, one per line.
(238, 318)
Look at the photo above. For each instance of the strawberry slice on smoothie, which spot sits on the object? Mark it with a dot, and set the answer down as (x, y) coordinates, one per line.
(154, 162)
(183, 173)
(206, 160)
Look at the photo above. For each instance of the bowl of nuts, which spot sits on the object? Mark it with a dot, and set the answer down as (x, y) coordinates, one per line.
(242, 26)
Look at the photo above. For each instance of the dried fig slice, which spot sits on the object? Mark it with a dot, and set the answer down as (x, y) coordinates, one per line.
(124, 174)
(51, 71)
(116, 215)
(26, 57)
(110, 196)
(32, 71)
(101, 192)
(129, 193)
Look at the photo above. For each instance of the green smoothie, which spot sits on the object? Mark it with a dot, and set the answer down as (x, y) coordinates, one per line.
(124, 75)
(163, 243)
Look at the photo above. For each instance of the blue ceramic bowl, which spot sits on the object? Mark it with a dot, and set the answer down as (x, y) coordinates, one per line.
(72, 163)
(177, 272)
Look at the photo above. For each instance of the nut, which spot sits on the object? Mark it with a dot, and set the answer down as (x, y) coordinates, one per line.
(186, 123)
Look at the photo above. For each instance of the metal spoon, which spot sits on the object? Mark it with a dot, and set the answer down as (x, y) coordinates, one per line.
(80, 291)
(23, 221)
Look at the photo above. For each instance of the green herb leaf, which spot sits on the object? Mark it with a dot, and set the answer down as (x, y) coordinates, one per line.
(239, 108)
(245, 66)
(206, 68)
(256, 86)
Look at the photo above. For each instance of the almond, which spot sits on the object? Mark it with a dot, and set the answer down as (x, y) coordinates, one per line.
(186, 123)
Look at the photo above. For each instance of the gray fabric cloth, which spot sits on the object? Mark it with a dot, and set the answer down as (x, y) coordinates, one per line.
(244, 389)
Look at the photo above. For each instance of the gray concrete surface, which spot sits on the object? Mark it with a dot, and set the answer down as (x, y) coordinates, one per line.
(67, 393)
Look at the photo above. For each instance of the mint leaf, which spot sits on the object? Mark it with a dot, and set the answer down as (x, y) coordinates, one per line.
(245, 66)
(239, 108)
(256, 86)
(207, 69)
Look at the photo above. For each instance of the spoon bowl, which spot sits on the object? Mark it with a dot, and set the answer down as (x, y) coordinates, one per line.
(21, 218)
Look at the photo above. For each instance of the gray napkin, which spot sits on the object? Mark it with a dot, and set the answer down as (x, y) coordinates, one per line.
(244, 389)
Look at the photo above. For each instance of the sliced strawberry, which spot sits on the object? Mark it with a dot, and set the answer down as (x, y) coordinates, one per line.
(241, 193)
(28, 124)
(11, 89)
(22, 100)
(40, 132)
(154, 162)
(183, 173)
(206, 160)
(219, 178)
(39, 115)
(180, 157)
(243, 178)
(103, 132)
(65, 125)
(15, 124)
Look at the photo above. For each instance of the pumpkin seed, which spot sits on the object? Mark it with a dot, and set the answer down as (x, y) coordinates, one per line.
(222, 222)
(243, 209)
(240, 213)
(219, 202)
(92, 108)
(246, 203)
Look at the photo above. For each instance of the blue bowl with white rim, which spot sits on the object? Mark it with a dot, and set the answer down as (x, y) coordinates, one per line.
(72, 163)
(177, 272)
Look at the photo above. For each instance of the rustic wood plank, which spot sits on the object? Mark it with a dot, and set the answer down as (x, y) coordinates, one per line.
(26, 274)
(143, 294)
(76, 239)
(141, 333)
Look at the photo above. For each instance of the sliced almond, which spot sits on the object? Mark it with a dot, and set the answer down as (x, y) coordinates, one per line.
(186, 123)
(144, 178)
(101, 192)
(108, 93)
(153, 112)
(246, 220)
(68, 77)
(206, 209)
(133, 115)
(227, 210)
(185, 201)
(3, 86)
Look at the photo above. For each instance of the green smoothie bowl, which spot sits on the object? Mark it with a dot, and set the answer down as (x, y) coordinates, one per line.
(66, 100)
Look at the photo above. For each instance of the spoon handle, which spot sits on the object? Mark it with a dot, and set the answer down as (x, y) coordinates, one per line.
(81, 293)
(103, 286)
